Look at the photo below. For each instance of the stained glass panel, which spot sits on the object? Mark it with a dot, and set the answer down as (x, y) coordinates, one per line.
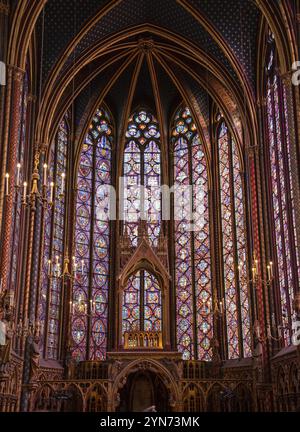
(142, 176)
(92, 242)
(142, 306)
(192, 246)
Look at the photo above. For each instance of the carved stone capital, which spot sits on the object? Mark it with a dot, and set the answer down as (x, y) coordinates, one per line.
(4, 8)
(262, 102)
(31, 97)
(16, 72)
(286, 78)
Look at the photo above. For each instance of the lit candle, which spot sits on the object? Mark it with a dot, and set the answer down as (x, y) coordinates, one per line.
(253, 272)
(221, 306)
(271, 269)
(71, 307)
(51, 192)
(45, 174)
(18, 173)
(11, 300)
(257, 329)
(24, 191)
(62, 182)
(49, 267)
(7, 184)
(269, 272)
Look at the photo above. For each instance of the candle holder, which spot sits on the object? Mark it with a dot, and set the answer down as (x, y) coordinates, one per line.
(79, 306)
(29, 197)
(269, 336)
(58, 271)
(256, 278)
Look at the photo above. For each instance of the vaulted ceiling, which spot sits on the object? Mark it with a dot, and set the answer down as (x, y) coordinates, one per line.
(193, 48)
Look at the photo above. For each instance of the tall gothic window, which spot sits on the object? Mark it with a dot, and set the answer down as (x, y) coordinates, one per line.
(92, 241)
(234, 246)
(142, 176)
(281, 190)
(51, 287)
(192, 246)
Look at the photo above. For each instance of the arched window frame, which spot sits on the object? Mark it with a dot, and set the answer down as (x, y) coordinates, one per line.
(201, 320)
(50, 304)
(140, 140)
(148, 313)
(238, 254)
(281, 213)
(92, 325)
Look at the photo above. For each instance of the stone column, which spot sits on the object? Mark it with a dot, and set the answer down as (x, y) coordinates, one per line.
(4, 96)
(17, 76)
(255, 200)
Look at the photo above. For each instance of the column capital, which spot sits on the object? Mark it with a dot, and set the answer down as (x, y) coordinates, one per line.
(4, 8)
(251, 150)
(31, 97)
(42, 147)
(16, 72)
(286, 77)
(261, 102)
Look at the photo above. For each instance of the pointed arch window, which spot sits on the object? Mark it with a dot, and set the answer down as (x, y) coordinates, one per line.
(92, 241)
(282, 203)
(142, 176)
(142, 307)
(192, 247)
(234, 245)
(54, 232)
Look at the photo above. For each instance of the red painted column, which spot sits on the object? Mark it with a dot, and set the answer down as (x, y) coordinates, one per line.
(12, 148)
(257, 250)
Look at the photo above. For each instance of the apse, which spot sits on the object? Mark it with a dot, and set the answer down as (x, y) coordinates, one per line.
(149, 220)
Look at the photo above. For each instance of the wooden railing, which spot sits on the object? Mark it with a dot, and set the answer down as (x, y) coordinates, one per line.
(143, 340)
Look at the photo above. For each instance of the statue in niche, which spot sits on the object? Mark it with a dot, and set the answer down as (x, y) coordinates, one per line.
(34, 358)
(5, 337)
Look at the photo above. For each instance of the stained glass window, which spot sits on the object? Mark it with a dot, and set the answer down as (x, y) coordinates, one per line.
(192, 246)
(281, 190)
(53, 253)
(92, 241)
(234, 244)
(142, 308)
(142, 176)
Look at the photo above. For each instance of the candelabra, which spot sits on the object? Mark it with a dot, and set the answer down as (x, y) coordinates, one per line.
(256, 278)
(269, 336)
(58, 271)
(30, 197)
(79, 305)
(215, 308)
